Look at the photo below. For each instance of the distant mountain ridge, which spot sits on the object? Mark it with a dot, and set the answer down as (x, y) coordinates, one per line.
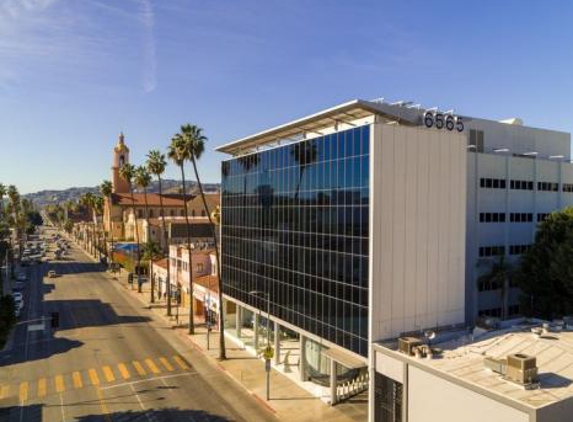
(53, 196)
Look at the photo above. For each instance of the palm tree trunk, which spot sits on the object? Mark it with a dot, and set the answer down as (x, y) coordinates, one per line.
(165, 247)
(222, 349)
(190, 266)
(111, 230)
(136, 238)
(152, 299)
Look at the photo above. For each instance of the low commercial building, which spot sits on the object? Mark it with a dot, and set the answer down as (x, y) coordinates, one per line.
(522, 373)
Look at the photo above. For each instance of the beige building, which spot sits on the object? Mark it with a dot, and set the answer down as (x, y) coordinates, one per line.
(519, 373)
(124, 210)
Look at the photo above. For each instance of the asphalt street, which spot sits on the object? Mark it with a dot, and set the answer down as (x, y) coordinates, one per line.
(110, 359)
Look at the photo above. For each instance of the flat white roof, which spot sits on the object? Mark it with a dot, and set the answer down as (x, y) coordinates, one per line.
(463, 359)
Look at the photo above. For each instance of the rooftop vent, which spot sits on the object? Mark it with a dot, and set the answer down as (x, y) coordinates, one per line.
(521, 368)
(407, 345)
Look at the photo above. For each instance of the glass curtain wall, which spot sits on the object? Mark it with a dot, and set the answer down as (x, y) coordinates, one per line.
(295, 228)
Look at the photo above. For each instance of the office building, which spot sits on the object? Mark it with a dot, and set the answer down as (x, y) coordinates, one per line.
(368, 221)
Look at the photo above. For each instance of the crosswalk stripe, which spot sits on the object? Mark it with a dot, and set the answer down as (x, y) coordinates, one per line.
(152, 366)
(77, 378)
(139, 368)
(4, 391)
(93, 377)
(166, 363)
(180, 362)
(123, 371)
(59, 381)
(108, 373)
(41, 387)
(24, 391)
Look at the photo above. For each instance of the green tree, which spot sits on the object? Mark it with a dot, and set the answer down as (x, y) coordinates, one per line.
(127, 173)
(546, 272)
(106, 189)
(499, 274)
(156, 164)
(195, 143)
(3, 192)
(178, 152)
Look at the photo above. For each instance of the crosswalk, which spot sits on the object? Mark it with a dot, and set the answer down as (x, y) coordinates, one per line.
(106, 374)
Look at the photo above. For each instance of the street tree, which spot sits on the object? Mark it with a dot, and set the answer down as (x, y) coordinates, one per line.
(546, 272)
(195, 143)
(156, 164)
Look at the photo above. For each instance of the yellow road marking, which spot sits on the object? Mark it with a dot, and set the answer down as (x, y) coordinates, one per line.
(93, 377)
(180, 362)
(24, 391)
(123, 371)
(152, 366)
(139, 368)
(4, 391)
(108, 373)
(77, 378)
(41, 387)
(59, 380)
(166, 363)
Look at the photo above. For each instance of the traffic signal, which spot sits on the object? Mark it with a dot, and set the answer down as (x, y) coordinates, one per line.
(55, 319)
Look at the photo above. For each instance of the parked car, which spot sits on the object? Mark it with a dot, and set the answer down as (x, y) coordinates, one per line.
(18, 299)
(52, 274)
(19, 286)
(21, 277)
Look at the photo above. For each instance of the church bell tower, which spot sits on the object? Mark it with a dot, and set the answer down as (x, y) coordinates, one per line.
(120, 157)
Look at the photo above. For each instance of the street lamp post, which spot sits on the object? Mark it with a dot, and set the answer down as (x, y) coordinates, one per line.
(268, 353)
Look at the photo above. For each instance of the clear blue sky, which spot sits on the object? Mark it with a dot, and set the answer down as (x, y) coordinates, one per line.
(73, 73)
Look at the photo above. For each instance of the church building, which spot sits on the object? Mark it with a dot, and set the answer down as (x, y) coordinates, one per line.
(121, 214)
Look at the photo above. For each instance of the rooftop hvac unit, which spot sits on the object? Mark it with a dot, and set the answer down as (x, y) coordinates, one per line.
(521, 368)
(407, 345)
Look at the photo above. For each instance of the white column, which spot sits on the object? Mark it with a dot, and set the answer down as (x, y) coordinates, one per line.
(239, 320)
(333, 381)
(302, 360)
(256, 331)
(277, 343)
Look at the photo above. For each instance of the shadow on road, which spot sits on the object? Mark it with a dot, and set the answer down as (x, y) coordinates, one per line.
(33, 413)
(49, 347)
(80, 313)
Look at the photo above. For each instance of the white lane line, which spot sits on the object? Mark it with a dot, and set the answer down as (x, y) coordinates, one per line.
(141, 404)
(109, 387)
(62, 408)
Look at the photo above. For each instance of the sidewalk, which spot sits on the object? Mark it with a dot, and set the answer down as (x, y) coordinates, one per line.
(288, 401)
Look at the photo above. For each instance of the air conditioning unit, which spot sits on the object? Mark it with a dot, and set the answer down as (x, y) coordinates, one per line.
(521, 368)
(407, 345)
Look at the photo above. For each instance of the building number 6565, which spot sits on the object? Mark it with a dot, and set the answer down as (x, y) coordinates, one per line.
(441, 121)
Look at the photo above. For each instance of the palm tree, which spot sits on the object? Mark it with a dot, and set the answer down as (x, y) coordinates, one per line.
(143, 179)
(195, 142)
(151, 252)
(156, 164)
(178, 152)
(3, 192)
(87, 200)
(106, 189)
(127, 173)
(98, 210)
(500, 273)
(304, 154)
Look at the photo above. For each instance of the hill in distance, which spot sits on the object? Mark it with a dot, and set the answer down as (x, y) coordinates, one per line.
(169, 186)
